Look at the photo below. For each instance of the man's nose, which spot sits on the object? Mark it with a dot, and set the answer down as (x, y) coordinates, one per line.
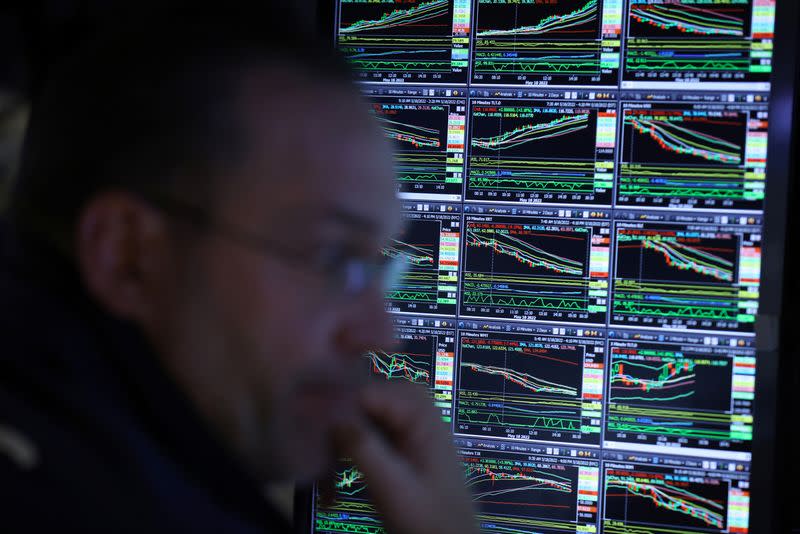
(366, 325)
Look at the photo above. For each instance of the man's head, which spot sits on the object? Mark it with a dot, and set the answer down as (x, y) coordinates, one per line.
(219, 186)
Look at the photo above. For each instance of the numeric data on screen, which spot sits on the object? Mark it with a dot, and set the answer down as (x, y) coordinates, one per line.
(583, 187)
(542, 152)
(408, 41)
(531, 386)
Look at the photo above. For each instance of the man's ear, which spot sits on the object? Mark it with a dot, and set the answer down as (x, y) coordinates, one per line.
(121, 244)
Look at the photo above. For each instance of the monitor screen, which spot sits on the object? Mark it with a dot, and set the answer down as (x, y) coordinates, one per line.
(586, 185)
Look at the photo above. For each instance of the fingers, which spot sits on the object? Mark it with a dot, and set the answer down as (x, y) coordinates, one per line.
(407, 416)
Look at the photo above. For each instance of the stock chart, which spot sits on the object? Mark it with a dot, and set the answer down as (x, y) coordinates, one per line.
(699, 41)
(544, 267)
(428, 136)
(535, 490)
(541, 152)
(693, 276)
(675, 499)
(583, 186)
(522, 386)
(681, 391)
(412, 40)
(552, 42)
(693, 156)
(424, 354)
(429, 247)
(352, 509)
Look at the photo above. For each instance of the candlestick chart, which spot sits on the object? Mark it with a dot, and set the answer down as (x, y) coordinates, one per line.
(524, 494)
(691, 158)
(524, 268)
(532, 152)
(429, 143)
(431, 266)
(671, 276)
(408, 366)
(412, 41)
(664, 501)
(514, 386)
(680, 396)
(700, 41)
(536, 43)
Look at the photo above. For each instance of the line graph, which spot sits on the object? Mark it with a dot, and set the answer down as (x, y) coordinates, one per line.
(527, 381)
(350, 482)
(513, 487)
(418, 249)
(524, 151)
(351, 509)
(657, 497)
(532, 132)
(705, 42)
(552, 24)
(688, 156)
(669, 275)
(429, 141)
(523, 43)
(522, 268)
(416, 136)
(414, 368)
(679, 255)
(418, 41)
(518, 386)
(429, 248)
(728, 20)
(662, 393)
(397, 18)
(524, 252)
(678, 139)
(653, 383)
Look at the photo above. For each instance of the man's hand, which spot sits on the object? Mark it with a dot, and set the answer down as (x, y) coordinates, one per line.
(407, 457)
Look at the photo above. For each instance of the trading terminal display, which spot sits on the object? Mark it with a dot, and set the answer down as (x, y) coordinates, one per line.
(408, 41)
(424, 354)
(544, 384)
(697, 42)
(429, 139)
(531, 488)
(561, 42)
(535, 264)
(429, 248)
(692, 155)
(583, 183)
(694, 272)
(542, 151)
(352, 510)
(682, 391)
(672, 495)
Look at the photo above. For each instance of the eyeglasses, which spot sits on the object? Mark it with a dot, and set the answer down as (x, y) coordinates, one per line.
(344, 273)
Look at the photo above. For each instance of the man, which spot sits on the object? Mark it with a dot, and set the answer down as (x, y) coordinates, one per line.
(190, 281)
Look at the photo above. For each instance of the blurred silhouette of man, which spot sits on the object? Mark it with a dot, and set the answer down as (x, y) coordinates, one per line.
(190, 278)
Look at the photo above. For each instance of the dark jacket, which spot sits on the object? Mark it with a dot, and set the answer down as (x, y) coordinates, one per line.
(94, 436)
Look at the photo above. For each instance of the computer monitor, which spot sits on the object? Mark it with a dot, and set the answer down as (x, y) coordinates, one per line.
(596, 196)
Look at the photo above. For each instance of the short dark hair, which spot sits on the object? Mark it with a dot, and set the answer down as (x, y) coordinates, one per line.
(145, 105)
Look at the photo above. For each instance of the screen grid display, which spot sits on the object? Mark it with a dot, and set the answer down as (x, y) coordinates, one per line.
(583, 184)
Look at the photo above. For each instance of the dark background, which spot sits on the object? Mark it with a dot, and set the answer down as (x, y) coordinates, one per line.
(35, 34)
